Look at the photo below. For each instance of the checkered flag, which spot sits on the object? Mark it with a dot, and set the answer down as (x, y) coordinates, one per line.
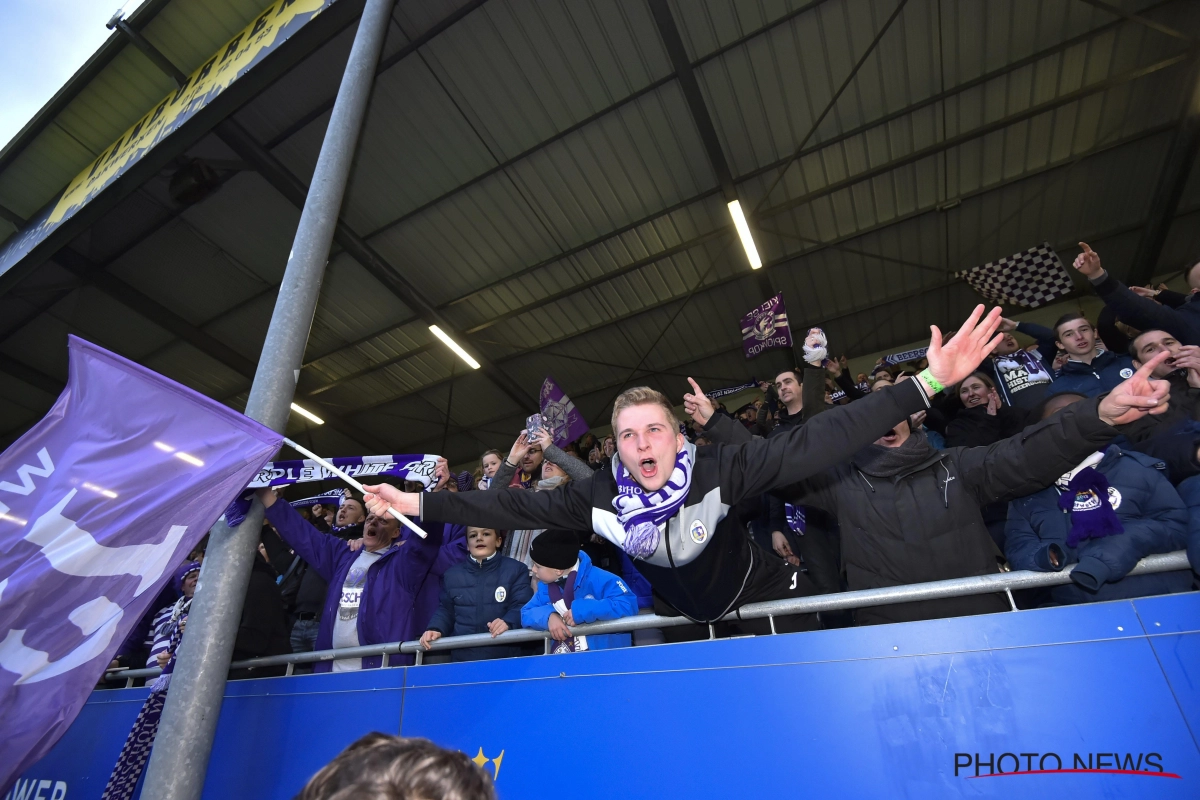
(1031, 278)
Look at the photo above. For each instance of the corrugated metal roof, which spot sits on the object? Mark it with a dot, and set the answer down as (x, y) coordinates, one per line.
(535, 171)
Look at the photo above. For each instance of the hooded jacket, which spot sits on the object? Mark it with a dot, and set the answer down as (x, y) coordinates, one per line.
(923, 522)
(1102, 375)
(704, 561)
(974, 427)
(473, 595)
(599, 595)
(1152, 513)
(392, 584)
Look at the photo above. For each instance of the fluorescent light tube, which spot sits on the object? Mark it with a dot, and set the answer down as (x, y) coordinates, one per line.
(743, 229)
(304, 412)
(453, 345)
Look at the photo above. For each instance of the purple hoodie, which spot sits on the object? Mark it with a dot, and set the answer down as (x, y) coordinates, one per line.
(453, 551)
(393, 582)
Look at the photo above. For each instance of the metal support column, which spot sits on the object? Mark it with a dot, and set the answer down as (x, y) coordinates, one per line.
(180, 757)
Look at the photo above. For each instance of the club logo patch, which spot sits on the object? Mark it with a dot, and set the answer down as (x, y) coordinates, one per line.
(1127, 373)
(1086, 500)
(1114, 498)
(500, 594)
(698, 532)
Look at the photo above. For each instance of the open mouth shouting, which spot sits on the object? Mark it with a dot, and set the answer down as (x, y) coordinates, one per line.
(890, 438)
(648, 468)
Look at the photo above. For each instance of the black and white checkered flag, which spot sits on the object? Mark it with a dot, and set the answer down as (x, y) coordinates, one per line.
(1031, 278)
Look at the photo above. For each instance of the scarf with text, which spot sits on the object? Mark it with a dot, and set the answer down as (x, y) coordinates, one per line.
(641, 513)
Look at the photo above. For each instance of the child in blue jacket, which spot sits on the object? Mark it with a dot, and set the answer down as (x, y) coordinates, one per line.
(572, 592)
(483, 594)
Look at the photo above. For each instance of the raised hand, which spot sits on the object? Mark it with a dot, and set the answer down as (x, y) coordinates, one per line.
(519, 449)
(1088, 262)
(541, 439)
(957, 358)
(1138, 396)
(993, 403)
(380, 496)
(441, 474)
(1007, 325)
(698, 405)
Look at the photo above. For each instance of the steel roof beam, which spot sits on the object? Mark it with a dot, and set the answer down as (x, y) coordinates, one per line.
(1173, 179)
(817, 194)
(294, 190)
(789, 261)
(1020, 63)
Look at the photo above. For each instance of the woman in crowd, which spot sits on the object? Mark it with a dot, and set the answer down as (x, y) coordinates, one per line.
(984, 419)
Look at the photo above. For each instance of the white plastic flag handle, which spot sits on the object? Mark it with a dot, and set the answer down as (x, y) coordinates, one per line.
(304, 451)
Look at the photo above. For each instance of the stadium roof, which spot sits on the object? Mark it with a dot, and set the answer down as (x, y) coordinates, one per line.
(552, 178)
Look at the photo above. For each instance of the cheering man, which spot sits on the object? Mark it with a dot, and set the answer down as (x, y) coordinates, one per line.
(666, 503)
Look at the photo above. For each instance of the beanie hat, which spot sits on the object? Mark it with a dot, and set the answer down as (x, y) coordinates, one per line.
(556, 549)
(181, 574)
(464, 480)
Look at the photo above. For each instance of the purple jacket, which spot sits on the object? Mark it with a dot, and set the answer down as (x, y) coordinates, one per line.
(453, 551)
(393, 582)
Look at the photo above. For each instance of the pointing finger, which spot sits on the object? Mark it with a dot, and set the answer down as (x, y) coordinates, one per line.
(695, 387)
(1144, 371)
(1086, 247)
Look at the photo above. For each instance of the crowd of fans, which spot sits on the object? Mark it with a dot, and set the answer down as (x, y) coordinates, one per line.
(1033, 459)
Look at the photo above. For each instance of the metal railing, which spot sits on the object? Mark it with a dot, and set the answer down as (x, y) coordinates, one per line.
(936, 590)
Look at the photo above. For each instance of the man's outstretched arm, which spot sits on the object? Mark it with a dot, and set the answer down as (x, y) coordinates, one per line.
(503, 509)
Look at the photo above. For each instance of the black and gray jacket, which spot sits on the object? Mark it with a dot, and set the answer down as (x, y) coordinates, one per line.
(703, 564)
(924, 522)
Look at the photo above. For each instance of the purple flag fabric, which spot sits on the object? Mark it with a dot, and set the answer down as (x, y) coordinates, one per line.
(559, 417)
(766, 327)
(99, 502)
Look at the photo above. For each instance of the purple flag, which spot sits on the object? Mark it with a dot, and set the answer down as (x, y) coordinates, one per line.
(559, 416)
(766, 327)
(99, 502)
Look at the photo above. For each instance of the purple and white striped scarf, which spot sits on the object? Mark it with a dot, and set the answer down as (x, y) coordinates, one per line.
(641, 512)
(136, 751)
(795, 518)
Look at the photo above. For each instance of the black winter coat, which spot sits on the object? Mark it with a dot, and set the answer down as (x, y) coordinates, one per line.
(473, 595)
(925, 524)
(974, 427)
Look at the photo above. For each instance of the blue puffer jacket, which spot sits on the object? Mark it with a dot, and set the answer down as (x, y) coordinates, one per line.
(1189, 490)
(599, 595)
(473, 595)
(1150, 510)
(1102, 375)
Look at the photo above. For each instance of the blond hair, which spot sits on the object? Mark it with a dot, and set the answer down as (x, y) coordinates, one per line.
(643, 396)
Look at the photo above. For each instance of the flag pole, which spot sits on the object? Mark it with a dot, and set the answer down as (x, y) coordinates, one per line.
(304, 451)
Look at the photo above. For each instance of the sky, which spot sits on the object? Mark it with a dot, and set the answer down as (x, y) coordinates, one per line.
(45, 42)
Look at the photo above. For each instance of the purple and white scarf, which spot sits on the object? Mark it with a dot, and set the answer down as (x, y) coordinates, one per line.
(136, 751)
(284, 473)
(795, 518)
(641, 512)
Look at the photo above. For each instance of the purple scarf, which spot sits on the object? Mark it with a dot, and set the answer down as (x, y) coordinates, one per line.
(641, 512)
(795, 518)
(136, 751)
(563, 590)
(1086, 500)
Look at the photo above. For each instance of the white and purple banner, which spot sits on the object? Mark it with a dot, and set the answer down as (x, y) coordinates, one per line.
(99, 502)
(908, 355)
(728, 390)
(766, 327)
(418, 467)
(559, 416)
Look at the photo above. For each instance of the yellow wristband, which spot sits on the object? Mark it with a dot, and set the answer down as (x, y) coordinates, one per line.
(926, 377)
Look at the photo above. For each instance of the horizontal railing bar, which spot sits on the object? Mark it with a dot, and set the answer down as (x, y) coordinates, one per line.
(863, 598)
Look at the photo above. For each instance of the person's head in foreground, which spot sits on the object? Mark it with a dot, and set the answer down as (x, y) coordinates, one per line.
(382, 767)
(554, 553)
(483, 543)
(1147, 344)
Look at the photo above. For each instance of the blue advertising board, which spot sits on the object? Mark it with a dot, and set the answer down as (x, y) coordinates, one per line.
(1098, 700)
